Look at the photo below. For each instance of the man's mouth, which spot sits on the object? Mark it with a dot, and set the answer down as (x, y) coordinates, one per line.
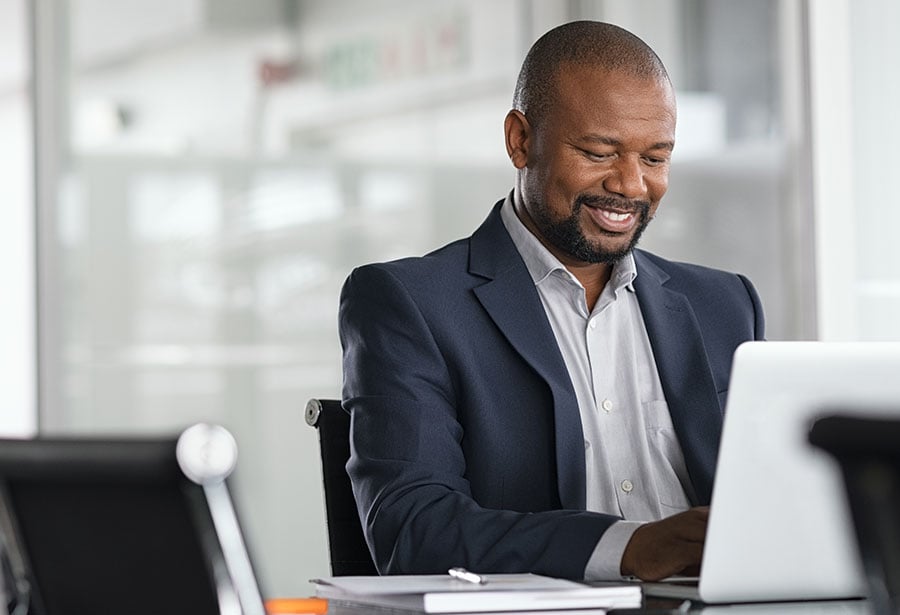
(612, 221)
(613, 216)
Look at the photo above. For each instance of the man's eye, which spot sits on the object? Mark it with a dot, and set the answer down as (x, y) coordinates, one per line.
(654, 160)
(597, 155)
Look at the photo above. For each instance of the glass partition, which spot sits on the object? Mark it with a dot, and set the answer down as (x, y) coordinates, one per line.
(874, 95)
(220, 166)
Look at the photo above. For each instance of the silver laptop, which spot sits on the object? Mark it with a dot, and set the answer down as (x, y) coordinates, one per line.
(779, 526)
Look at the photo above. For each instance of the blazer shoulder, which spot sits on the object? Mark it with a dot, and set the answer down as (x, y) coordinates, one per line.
(677, 273)
(710, 291)
(434, 268)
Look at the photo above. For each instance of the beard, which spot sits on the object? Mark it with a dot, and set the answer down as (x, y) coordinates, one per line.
(567, 235)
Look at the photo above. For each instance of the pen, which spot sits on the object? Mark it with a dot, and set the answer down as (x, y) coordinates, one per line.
(464, 575)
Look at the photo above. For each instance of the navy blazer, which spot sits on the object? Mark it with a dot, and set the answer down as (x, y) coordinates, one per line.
(466, 440)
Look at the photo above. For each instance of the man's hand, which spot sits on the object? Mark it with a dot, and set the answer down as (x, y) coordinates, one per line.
(670, 546)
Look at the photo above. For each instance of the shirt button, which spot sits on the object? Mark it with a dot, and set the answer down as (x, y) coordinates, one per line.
(587, 445)
(627, 486)
(606, 405)
(593, 323)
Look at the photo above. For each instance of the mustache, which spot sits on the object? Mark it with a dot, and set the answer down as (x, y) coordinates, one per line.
(611, 202)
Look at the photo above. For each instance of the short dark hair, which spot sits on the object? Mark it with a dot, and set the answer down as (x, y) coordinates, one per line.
(591, 43)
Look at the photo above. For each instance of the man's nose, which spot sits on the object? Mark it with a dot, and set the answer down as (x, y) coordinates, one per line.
(626, 179)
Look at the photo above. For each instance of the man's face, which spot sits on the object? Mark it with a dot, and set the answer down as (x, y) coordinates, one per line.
(595, 167)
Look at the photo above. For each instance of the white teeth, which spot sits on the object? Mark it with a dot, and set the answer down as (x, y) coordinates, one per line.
(615, 217)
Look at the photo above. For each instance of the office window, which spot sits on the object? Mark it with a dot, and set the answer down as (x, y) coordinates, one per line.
(875, 94)
(853, 97)
(220, 167)
(17, 251)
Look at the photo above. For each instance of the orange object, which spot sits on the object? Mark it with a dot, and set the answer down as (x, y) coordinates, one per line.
(296, 606)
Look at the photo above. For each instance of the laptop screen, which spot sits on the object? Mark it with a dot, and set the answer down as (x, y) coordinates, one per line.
(780, 527)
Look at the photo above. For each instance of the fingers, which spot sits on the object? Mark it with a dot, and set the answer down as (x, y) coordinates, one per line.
(663, 548)
(691, 524)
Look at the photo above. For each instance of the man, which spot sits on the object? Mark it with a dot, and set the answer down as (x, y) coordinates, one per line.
(541, 396)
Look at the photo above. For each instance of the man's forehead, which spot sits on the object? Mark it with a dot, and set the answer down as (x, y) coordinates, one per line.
(585, 85)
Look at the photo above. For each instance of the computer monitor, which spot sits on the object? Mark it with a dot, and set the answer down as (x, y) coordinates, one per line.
(138, 526)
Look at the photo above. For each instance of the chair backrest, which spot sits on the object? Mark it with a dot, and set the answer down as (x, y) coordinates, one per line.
(134, 525)
(868, 451)
(346, 542)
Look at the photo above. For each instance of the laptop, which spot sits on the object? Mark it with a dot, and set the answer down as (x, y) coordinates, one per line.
(138, 526)
(780, 527)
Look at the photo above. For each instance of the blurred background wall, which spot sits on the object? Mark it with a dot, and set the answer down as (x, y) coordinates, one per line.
(186, 184)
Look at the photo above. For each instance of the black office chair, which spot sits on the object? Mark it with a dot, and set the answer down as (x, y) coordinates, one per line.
(347, 545)
(123, 525)
(868, 451)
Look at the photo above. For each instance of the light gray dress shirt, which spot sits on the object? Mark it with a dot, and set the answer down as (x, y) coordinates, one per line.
(634, 466)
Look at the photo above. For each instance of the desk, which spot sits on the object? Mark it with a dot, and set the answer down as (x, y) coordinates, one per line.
(653, 606)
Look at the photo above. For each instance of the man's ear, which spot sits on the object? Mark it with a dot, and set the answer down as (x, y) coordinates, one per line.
(518, 138)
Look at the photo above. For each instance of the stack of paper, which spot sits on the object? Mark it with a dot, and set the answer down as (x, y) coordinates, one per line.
(499, 593)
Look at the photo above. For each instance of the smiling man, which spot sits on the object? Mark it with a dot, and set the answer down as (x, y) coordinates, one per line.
(592, 171)
(542, 396)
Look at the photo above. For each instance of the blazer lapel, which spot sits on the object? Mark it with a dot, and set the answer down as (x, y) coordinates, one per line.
(683, 366)
(512, 301)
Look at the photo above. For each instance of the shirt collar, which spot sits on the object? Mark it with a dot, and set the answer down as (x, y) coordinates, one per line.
(541, 263)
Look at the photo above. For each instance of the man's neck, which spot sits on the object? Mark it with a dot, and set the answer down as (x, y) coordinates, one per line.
(592, 276)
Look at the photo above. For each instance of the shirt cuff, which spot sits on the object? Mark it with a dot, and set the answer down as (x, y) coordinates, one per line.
(605, 563)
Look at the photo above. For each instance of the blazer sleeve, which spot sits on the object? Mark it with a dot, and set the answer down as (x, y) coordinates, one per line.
(407, 465)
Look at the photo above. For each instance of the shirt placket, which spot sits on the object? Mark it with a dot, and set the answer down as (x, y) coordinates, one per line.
(613, 418)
